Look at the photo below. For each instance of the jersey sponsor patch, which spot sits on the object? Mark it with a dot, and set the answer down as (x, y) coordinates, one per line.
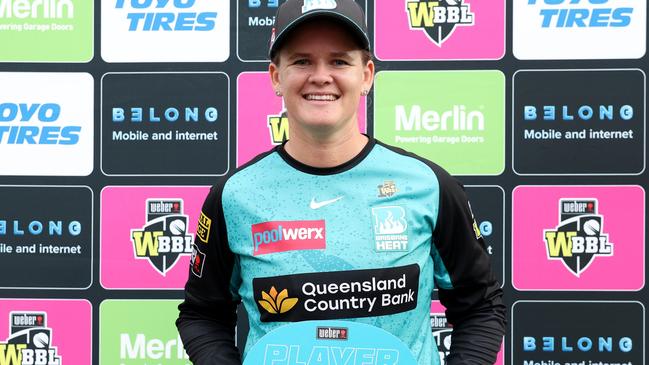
(338, 294)
(197, 261)
(203, 229)
(281, 236)
(390, 228)
(387, 189)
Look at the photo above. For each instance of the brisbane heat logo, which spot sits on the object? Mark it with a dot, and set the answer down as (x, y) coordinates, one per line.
(438, 18)
(579, 236)
(164, 236)
(29, 342)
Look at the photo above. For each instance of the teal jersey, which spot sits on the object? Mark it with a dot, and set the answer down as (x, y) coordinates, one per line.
(367, 241)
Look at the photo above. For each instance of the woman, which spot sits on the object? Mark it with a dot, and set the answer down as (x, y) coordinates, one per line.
(304, 223)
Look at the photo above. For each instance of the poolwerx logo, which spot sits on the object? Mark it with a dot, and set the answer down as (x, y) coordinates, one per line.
(280, 236)
(338, 294)
(438, 18)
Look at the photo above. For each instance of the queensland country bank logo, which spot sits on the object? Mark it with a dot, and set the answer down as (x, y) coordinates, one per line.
(276, 303)
(281, 236)
(390, 229)
(164, 237)
(579, 237)
(29, 342)
(438, 18)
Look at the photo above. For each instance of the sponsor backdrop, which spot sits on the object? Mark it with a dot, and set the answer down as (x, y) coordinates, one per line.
(117, 115)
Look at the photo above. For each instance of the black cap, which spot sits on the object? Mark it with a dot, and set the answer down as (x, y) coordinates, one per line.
(295, 12)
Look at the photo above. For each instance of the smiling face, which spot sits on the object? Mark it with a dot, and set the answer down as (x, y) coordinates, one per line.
(321, 73)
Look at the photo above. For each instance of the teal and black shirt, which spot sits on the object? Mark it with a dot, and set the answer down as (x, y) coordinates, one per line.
(365, 241)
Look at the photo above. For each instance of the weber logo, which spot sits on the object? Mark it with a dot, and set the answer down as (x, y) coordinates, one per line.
(332, 333)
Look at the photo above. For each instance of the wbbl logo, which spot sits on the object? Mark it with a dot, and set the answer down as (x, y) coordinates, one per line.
(438, 18)
(164, 236)
(579, 236)
(29, 342)
(278, 128)
(442, 332)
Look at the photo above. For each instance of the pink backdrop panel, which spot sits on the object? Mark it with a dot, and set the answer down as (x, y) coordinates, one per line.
(485, 39)
(123, 208)
(536, 208)
(70, 321)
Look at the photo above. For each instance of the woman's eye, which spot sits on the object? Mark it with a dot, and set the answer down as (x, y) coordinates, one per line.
(340, 62)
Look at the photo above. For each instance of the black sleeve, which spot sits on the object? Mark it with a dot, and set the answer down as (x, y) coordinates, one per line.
(474, 298)
(208, 317)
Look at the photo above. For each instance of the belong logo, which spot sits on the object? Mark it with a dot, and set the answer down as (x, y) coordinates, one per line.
(577, 332)
(165, 30)
(46, 124)
(584, 114)
(576, 29)
(48, 247)
(165, 124)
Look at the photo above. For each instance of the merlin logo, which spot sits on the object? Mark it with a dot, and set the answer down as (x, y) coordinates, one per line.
(277, 303)
(388, 189)
(579, 236)
(48, 9)
(164, 237)
(442, 331)
(278, 128)
(29, 342)
(390, 228)
(438, 18)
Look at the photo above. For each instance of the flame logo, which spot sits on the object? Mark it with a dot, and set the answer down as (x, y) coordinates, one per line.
(390, 225)
(275, 303)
